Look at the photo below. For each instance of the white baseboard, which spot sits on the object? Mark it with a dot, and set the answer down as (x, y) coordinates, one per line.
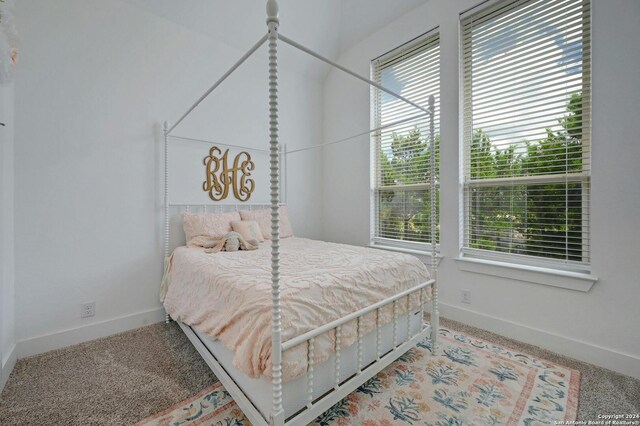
(608, 358)
(60, 339)
(604, 357)
(8, 363)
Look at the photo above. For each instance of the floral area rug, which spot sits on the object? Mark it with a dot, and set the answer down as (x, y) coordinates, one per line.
(470, 382)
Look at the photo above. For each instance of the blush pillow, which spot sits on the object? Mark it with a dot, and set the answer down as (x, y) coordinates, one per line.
(211, 225)
(263, 217)
(249, 229)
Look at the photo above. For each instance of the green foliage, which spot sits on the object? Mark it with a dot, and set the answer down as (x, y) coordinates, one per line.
(532, 219)
(572, 122)
(482, 159)
(409, 159)
(542, 219)
(406, 213)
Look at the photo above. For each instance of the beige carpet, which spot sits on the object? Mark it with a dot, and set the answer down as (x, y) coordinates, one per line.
(110, 381)
(122, 379)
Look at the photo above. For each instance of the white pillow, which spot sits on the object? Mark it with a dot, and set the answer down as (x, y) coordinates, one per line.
(263, 217)
(210, 225)
(249, 229)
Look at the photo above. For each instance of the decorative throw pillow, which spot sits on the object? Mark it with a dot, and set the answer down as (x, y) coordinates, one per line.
(263, 217)
(249, 229)
(210, 225)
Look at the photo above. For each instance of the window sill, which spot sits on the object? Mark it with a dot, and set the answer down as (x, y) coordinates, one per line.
(534, 274)
(414, 252)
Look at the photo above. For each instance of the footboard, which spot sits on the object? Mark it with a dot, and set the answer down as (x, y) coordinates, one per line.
(317, 404)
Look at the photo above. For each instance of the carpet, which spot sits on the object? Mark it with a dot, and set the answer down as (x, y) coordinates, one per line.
(470, 382)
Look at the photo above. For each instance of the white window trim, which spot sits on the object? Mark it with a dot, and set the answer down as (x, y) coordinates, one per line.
(532, 274)
(405, 246)
(410, 247)
(553, 273)
(421, 253)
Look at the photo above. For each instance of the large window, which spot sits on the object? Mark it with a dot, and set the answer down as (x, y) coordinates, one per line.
(401, 153)
(526, 163)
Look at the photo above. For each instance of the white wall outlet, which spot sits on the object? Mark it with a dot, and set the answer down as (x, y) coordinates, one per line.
(465, 296)
(88, 310)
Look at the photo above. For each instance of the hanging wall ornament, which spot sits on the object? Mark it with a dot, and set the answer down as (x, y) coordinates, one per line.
(8, 42)
(221, 177)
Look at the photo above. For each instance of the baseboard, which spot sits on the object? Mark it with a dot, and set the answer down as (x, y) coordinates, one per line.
(8, 363)
(60, 339)
(604, 357)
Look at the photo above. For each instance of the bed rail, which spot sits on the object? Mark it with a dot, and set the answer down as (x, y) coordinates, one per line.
(353, 316)
(317, 404)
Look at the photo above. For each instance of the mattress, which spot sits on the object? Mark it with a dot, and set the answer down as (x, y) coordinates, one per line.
(227, 296)
(295, 392)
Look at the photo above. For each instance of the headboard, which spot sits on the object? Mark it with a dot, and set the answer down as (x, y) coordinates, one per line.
(174, 234)
(187, 154)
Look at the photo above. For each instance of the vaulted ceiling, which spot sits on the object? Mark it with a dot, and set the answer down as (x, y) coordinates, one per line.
(326, 26)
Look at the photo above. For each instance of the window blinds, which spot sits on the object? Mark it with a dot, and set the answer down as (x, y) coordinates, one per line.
(526, 128)
(400, 153)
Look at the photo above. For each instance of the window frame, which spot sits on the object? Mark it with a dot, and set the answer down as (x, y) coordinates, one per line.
(415, 247)
(502, 260)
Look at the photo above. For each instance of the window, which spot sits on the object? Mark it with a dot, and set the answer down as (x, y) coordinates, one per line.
(526, 132)
(400, 153)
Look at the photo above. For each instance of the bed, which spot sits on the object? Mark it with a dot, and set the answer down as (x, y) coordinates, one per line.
(297, 325)
(225, 298)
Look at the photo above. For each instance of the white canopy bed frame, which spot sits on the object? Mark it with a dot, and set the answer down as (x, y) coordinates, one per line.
(272, 402)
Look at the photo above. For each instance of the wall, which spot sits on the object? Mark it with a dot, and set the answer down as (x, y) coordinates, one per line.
(599, 326)
(96, 80)
(7, 287)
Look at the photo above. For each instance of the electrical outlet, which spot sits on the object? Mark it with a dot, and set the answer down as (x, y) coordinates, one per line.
(88, 310)
(465, 296)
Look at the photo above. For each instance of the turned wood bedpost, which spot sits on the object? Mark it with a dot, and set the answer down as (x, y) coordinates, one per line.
(277, 416)
(435, 314)
(165, 128)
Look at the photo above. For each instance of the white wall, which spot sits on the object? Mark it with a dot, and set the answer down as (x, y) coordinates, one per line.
(96, 79)
(601, 326)
(7, 299)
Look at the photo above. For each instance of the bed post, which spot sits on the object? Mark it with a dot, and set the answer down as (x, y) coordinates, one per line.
(435, 314)
(277, 415)
(165, 126)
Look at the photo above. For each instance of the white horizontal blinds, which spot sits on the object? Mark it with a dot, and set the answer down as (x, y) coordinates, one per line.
(526, 87)
(402, 157)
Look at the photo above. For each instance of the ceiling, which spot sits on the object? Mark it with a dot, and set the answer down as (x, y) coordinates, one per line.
(359, 18)
(326, 26)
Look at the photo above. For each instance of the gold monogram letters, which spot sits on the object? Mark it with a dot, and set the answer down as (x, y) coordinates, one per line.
(220, 177)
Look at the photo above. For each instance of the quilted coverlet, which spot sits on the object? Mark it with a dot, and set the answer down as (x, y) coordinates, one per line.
(228, 296)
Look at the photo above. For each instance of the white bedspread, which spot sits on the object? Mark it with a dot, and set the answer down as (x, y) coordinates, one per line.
(228, 296)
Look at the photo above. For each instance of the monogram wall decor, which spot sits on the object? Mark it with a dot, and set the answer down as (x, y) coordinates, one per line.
(221, 178)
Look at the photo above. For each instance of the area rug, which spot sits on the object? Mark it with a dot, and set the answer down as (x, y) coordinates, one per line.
(470, 382)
